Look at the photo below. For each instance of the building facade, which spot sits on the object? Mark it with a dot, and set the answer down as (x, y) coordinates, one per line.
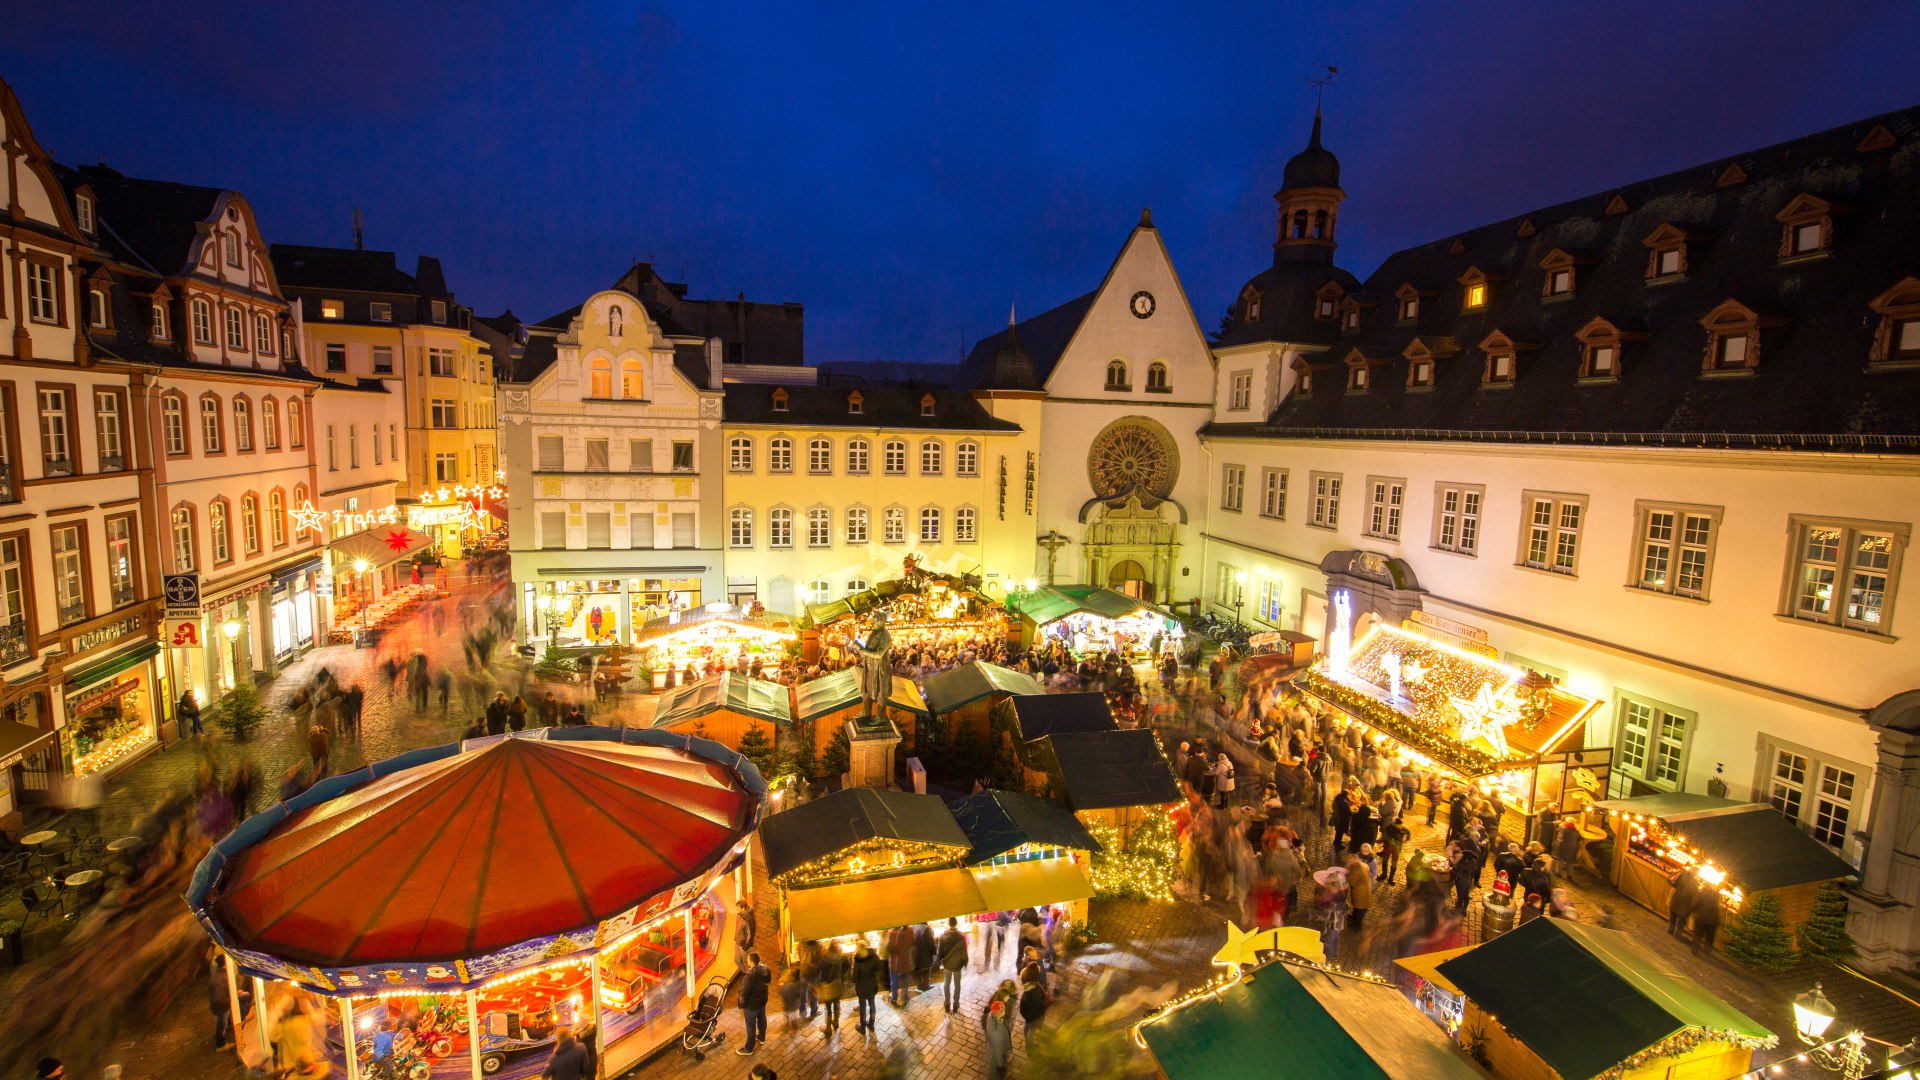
(1659, 443)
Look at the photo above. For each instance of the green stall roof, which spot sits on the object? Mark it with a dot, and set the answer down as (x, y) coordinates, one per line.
(958, 687)
(1052, 603)
(726, 691)
(831, 693)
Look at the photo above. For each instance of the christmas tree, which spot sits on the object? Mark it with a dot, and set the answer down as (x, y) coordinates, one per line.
(1824, 935)
(1759, 938)
(755, 747)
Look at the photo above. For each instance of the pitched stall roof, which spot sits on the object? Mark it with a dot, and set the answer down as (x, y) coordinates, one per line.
(1758, 846)
(729, 692)
(850, 816)
(1000, 821)
(1338, 1027)
(843, 688)
(1534, 977)
(1050, 603)
(1811, 381)
(958, 687)
(1043, 714)
(1106, 769)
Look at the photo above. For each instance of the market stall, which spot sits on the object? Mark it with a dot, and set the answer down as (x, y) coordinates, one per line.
(1740, 849)
(924, 610)
(1433, 993)
(1088, 619)
(1337, 1026)
(1649, 1021)
(1026, 852)
(686, 646)
(724, 708)
(964, 697)
(1110, 779)
(824, 706)
(1517, 736)
(451, 944)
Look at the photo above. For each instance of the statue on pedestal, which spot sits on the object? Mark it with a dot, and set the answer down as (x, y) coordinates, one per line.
(876, 667)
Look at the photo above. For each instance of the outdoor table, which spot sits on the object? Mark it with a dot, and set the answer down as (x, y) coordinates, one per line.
(38, 838)
(82, 879)
(1588, 835)
(125, 843)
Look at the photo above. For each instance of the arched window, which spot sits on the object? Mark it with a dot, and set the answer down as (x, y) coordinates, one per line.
(966, 525)
(896, 457)
(242, 424)
(819, 527)
(263, 334)
(1156, 376)
(780, 454)
(780, 528)
(633, 385)
(893, 525)
(931, 458)
(966, 459)
(236, 329)
(173, 416)
(819, 457)
(1319, 224)
(220, 540)
(182, 540)
(600, 378)
(858, 451)
(296, 425)
(740, 528)
(210, 424)
(930, 525)
(250, 523)
(740, 454)
(1299, 224)
(857, 525)
(277, 518)
(270, 422)
(614, 318)
(1117, 375)
(202, 322)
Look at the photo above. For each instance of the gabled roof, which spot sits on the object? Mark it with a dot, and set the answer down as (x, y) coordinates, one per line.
(958, 687)
(303, 267)
(835, 822)
(831, 693)
(149, 223)
(1050, 603)
(1043, 714)
(1628, 999)
(1000, 821)
(1045, 336)
(729, 692)
(881, 407)
(1106, 769)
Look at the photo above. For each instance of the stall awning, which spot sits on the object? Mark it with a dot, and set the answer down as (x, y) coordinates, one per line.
(1001, 821)
(113, 665)
(1033, 883)
(378, 546)
(859, 906)
(837, 821)
(958, 687)
(1426, 966)
(831, 693)
(1757, 846)
(1052, 603)
(730, 691)
(19, 740)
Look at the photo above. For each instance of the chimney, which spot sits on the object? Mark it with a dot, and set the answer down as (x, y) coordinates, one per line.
(359, 243)
(716, 361)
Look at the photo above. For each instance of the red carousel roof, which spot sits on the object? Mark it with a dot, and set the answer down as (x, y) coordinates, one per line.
(481, 850)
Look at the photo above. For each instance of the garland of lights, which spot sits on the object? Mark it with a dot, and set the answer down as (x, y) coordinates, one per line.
(1232, 976)
(870, 859)
(1145, 865)
(1430, 739)
(1681, 1042)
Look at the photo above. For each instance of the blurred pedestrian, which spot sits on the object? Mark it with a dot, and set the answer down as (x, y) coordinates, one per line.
(868, 971)
(953, 963)
(187, 716)
(998, 1027)
(319, 749)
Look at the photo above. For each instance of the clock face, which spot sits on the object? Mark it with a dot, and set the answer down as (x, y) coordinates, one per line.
(1142, 304)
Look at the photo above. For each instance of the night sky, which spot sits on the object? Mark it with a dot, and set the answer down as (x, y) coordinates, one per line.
(907, 170)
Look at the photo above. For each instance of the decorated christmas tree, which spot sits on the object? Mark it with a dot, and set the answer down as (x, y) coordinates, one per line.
(1759, 937)
(1824, 935)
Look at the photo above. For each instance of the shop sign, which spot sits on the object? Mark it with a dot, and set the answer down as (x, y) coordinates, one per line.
(323, 586)
(183, 594)
(102, 635)
(93, 699)
(181, 633)
(1448, 627)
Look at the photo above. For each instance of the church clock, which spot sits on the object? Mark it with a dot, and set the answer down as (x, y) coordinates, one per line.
(1142, 304)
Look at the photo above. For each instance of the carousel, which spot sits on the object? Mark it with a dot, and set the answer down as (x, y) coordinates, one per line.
(591, 890)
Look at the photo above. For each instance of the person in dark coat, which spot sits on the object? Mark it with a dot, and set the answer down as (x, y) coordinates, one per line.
(549, 710)
(923, 954)
(1535, 881)
(1341, 818)
(188, 713)
(1364, 827)
(1456, 816)
(952, 961)
(497, 715)
(220, 1003)
(833, 973)
(868, 972)
(753, 1003)
(1706, 919)
(517, 714)
(1680, 906)
(1033, 1005)
(1196, 774)
(569, 1060)
(1510, 863)
(899, 965)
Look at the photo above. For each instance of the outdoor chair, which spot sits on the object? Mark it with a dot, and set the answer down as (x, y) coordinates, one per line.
(91, 851)
(36, 904)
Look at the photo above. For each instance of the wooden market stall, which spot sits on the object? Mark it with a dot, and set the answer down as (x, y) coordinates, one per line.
(1087, 618)
(1324, 1024)
(1026, 852)
(725, 707)
(922, 609)
(1638, 1017)
(964, 697)
(1112, 779)
(1451, 705)
(1433, 993)
(703, 642)
(1741, 848)
(826, 704)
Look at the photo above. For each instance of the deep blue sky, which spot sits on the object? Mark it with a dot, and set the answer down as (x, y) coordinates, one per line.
(907, 170)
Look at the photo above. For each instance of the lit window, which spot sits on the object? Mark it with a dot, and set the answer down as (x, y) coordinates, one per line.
(966, 522)
(1676, 548)
(740, 528)
(599, 378)
(632, 383)
(780, 455)
(1552, 538)
(930, 526)
(1476, 296)
(333, 309)
(780, 528)
(740, 454)
(856, 525)
(1844, 573)
(893, 525)
(1457, 527)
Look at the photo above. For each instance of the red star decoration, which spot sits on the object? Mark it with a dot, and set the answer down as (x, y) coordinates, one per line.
(398, 540)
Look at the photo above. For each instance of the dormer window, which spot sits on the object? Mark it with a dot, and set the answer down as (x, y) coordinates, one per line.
(1303, 373)
(1420, 374)
(1325, 309)
(83, 212)
(1502, 359)
(1326, 302)
(1476, 296)
(333, 309)
(1349, 317)
(779, 395)
(1477, 288)
(856, 405)
(1896, 342)
(162, 330)
(1360, 372)
(1733, 339)
(1667, 251)
(1806, 226)
(97, 308)
(1600, 346)
(1408, 300)
(926, 405)
(1250, 304)
(1668, 261)
(1559, 282)
(1422, 360)
(1559, 266)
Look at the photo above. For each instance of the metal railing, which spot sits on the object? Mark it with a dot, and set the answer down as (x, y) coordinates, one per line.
(60, 466)
(112, 462)
(1708, 440)
(7, 492)
(73, 613)
(13, 641)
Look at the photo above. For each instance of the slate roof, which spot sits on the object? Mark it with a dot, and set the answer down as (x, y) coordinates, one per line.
(835, 822)
(1811, 384)
(1106, 769)
(1045, 336)
(150, 224)
(299, 266)
(1000, 821)
(881, 407)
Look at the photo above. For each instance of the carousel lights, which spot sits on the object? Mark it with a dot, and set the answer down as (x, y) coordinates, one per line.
(1232, 976)
(577, 960)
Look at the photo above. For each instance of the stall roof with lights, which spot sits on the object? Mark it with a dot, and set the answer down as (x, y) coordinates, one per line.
(843, 688)
(958, 687)
(865, 600)
(1338, 1027)
(1000, 821)
(814, 830)
(1754, 843)
(726, 692)
(1533, 978)
(719, 623)
(1051, 603)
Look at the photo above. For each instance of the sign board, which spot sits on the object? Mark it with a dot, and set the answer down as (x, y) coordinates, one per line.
(93, 699)
(323, 586)
(181, 633)
(183, 594)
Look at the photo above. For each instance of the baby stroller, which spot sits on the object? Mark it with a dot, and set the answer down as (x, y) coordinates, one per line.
(703, 1023)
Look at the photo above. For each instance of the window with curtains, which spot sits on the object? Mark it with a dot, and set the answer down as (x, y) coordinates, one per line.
(893, 525)
(219, 539)
(857, 525)
(120, 560)
(210, 424)
(242, 424)
(819, 527)
(250, 524)
(966, 525)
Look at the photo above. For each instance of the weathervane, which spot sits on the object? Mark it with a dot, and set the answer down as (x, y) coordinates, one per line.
(1322, 78)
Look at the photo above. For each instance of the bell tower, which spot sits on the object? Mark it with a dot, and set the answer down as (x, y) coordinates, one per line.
(1309, 199)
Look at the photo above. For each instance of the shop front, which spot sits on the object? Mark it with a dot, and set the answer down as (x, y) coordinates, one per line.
(591, 612)
(291, 603)
(114, 697)
(29, 754)
(374, 580)
(685, 646)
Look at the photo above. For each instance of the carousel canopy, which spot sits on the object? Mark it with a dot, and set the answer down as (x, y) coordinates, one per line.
(1040, 715)
(1051, 603)
(1339, 1027)
(729, 692)
(958, 687)
(1535, 977)
(1000, 821)
(476, 850)
(850, 816)
(831, 693)
(1752, 842)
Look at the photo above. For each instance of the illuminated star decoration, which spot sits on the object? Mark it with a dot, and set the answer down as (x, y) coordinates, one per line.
(306, 517)
(1486, 717)
(399, 540)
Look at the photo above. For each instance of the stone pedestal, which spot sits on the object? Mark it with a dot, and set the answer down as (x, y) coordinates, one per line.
(1882, 915)
(871, 741)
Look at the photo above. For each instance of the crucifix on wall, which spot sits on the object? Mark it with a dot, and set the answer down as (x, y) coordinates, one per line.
(1053, 542)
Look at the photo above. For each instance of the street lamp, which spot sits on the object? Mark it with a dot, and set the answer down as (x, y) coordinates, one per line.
(1239, 595)
(361, 566)
(231, 628)
(1813, 1015)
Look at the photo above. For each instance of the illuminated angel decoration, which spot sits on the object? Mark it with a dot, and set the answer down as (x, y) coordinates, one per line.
(1485, 717)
